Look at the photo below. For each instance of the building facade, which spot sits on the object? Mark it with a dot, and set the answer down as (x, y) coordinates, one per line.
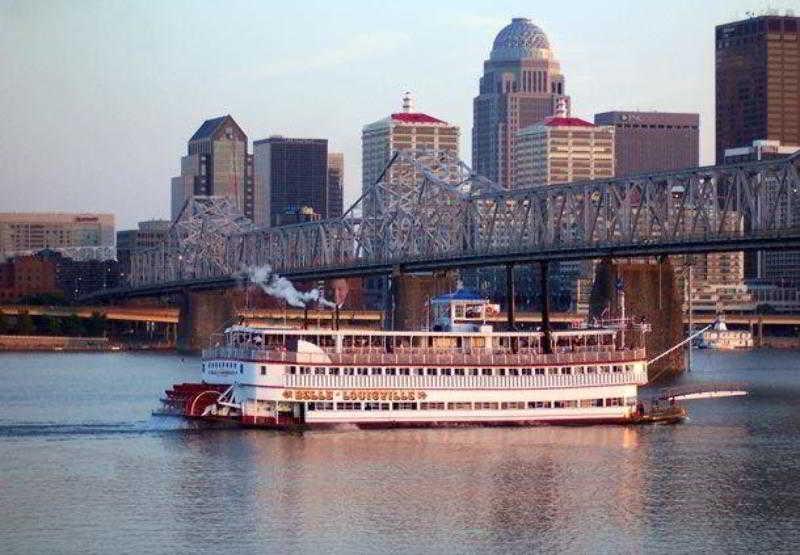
(81, 236)
(757, 82)
(335, 184)
(25, 276)
(521, 85)
(649, 142)
(562, 149)
(404, 130)
(149, 234)
(294, 173)
(217, 164)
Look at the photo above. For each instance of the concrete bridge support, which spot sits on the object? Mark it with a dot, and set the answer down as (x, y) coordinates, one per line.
(650, 293)
(202, 314)
(410, 294)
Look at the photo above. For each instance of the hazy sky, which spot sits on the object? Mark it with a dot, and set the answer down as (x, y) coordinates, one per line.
(100, 98)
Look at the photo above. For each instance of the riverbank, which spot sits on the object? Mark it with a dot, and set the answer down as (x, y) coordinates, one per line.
(39, 343)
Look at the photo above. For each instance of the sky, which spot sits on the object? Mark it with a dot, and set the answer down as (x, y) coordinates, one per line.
(100, 98)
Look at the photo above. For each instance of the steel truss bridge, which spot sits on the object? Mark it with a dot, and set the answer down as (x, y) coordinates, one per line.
(429, 211)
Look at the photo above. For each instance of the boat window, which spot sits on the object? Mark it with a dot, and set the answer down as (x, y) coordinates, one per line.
(591, 369)
(391, 371)
(405, 371)
(617, 368)
(552, 371)
(566, 370)
(527, 371)
(404, 406)
(363, 371)
(501, 371)
(614, 402)
(431, 406)
(348, 371)
(432, 371)
(513, 405)
(459, 371)
(263, 370)
(445, 371)
(486, 372)
(348, 406)
(459, 406)
(305, 370)
(473, 371)
(605, 369)
(293, 369)
(419, 371)
(377, 371)
(579, 370)
(539, 404)
(539, 371)
(486, 406)
(333, 371)
(513, 372)
(319, 371)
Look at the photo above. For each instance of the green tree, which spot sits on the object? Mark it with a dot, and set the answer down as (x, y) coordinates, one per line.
(73, 326)
(25, 324)
(54, 325)
(96, 326)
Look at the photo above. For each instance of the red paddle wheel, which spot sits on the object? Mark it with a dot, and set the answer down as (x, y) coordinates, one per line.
(191, 399)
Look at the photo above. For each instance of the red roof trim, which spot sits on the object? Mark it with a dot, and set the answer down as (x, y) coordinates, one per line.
(408, 117)
(567, 122)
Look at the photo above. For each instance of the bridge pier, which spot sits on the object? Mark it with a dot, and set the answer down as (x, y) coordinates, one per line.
(202, 314)
(650, 293)
(410, 294)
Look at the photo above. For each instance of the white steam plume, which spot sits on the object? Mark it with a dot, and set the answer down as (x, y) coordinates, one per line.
(276, 286)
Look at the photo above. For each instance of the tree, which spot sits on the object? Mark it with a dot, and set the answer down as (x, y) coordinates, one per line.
(25, 324)
(54, 325)
(73, 326)
(96, 326)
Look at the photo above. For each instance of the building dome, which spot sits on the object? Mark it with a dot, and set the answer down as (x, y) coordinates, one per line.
(519, 41)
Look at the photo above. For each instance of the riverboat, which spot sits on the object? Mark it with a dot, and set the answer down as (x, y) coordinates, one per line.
(460, 372)
(720, 337)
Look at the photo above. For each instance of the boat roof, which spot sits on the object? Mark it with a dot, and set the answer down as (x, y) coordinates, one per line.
(459, 295)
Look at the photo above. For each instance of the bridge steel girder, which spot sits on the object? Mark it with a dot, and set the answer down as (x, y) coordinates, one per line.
(430, 211)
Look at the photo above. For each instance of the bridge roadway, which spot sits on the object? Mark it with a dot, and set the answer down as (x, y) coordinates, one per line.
(170, 315)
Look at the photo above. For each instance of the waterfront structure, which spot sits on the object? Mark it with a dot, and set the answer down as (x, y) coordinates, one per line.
(757, 82)
(521, 85)
(217, 164)
(294, 173)
(24, 276)
(407, 130)
(82, 236)
(650, 142)
(335, 184)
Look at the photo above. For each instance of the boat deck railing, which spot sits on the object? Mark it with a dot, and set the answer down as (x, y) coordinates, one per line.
(423, 357)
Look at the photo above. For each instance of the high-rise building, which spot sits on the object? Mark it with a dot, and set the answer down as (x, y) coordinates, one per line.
(294, 173)
(757, 81)
(217, 163)
(79, 236)
(521, 85)
(335, 184)
(404, 130)
(562, 149)
(647, 142)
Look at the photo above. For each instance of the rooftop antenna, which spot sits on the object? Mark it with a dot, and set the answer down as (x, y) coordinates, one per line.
(408, 103)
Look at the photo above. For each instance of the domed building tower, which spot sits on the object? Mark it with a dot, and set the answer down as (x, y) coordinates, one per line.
(521, 85)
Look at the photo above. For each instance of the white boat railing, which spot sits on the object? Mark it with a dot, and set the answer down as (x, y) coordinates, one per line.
(422, 358)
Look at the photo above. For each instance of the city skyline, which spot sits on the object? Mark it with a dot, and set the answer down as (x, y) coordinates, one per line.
(86, 85)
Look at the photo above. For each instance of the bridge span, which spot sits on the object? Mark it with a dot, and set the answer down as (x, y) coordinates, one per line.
(429, 211)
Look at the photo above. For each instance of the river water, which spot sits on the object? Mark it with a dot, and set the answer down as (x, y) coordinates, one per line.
(85, 468)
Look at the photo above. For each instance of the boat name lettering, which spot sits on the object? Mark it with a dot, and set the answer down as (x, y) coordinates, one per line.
(353, 395)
